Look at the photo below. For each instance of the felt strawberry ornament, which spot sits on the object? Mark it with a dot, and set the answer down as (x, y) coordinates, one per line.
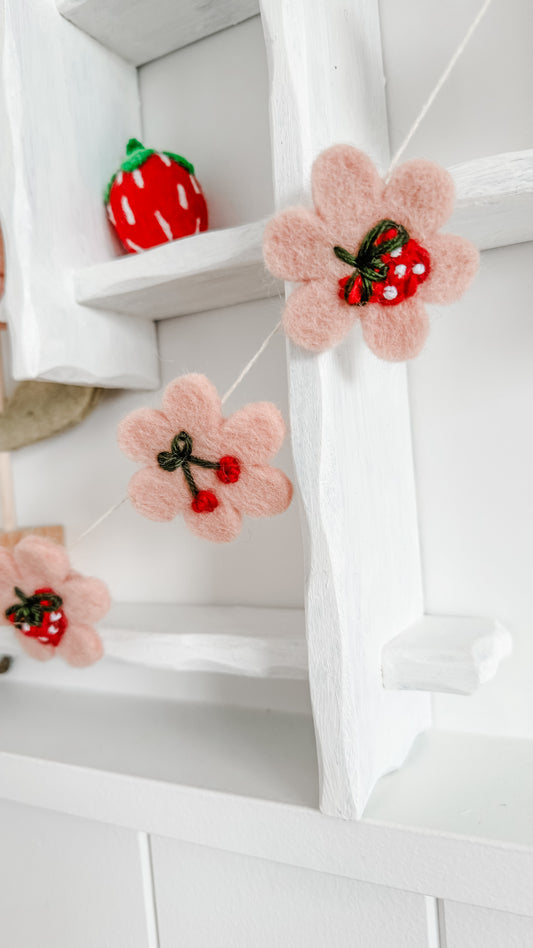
(154, 198)
(370, 252)
(51, 607)
(39, 616)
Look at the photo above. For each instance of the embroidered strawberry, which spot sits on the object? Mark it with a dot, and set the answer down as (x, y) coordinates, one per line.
(388, 267)
(153, 198)
(39, 616)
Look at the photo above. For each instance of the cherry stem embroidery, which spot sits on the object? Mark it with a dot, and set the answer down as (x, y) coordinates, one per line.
(368, 262)
(180, 455)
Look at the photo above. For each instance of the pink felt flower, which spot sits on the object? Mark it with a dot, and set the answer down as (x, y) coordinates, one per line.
(51, 607)
(371, 250)
(209, 468)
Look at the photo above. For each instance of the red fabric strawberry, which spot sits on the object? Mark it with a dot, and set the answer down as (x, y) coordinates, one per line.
(388, 267)
(39, 616)
(154, 198)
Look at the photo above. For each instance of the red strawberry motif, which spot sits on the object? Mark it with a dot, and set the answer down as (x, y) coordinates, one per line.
(39, 616)
(154, 198)
(388, 267)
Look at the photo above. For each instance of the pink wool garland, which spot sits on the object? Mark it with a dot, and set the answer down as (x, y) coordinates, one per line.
(51, 607)
(370, 251)
(209, 468)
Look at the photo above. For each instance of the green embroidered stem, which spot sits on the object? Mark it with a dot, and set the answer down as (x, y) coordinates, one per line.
(31, 609)
(180, 455)
(368, 262)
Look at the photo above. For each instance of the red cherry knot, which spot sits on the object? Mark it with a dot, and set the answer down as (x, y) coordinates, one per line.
(229, 470)
(387, 269)
(204, 502)
(39, 616)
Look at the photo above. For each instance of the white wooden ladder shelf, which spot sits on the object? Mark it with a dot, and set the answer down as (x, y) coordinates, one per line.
(371, 655)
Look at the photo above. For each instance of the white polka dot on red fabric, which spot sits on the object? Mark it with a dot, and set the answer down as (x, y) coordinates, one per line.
(390, 293)
(400, 270)
(396, 253)
(419, 268)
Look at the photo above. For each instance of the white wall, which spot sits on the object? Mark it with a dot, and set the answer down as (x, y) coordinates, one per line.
(471, 389)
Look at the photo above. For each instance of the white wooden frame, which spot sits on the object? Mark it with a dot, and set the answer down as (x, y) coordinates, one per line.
(350, 413)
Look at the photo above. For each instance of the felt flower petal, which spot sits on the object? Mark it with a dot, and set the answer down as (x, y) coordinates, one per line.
(295, 245)
(7, 566)
(42, 561)
(314, 316)
(81, 645)
(192, 403)
(395, 333)
(85, 599)
(255, 433)
(421, 195)
(35, 649)
(454, 263)
(262, 492)
(346, 187)
(220, 525)
(143, 433)
(157, 494)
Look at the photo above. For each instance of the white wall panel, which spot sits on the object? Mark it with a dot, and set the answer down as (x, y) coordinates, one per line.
(468, 926)
(68, 883)
(223, 900)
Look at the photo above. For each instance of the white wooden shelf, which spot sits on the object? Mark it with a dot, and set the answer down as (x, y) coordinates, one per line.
(140, 33)
(233, 640)
(454, 823)
(445, 654)
(207, 271)
(494, 199)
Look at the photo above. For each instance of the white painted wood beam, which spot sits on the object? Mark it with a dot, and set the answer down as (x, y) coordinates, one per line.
(207, 271)
(59, 88)
(445, 654)
(142, 31)
(494, 199)
(232, 640)
(350, 424)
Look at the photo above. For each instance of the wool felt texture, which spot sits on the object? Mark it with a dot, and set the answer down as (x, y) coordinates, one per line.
(369, 251)
(39, 410)
(154, 198)
(51, 606)
(209, 468)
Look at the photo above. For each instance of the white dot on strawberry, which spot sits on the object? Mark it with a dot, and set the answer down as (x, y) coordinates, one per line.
(390, 292)
(400, 270)
(396, 253)
(419, 268)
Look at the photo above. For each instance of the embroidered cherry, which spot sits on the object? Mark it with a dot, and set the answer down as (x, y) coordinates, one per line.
(388, 267)
(39, 616)
(229, 469)
(180, 455)
(204, 502)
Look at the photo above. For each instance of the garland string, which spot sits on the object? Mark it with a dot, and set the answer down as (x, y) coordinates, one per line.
(444, 77)
(414, 128)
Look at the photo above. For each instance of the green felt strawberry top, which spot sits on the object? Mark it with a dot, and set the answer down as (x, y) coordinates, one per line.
(136, 155)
